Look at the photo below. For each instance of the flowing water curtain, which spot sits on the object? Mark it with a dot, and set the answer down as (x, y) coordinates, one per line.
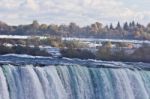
(73, 82)
(4, 93)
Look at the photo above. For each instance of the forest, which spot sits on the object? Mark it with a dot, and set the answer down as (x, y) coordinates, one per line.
(127, 30)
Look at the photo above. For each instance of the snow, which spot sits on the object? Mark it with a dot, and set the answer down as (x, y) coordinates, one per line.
(106, 40)
(20, 37)
(13, 37)
(80, 39)
(55, 52)
(7, 44)
(24, 56)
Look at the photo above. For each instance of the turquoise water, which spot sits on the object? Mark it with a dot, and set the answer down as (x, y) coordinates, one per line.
(73, 82)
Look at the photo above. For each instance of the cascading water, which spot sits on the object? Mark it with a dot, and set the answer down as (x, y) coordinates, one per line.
(73, 82)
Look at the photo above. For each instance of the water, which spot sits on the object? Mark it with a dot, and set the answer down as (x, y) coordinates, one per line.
(73, 82)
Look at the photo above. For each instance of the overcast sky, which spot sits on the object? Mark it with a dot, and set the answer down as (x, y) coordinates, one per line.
(83, 12)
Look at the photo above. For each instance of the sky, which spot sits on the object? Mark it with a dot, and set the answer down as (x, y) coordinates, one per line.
(82, 12)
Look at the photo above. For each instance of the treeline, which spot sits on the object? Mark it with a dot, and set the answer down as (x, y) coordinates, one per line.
(34, 51)
(104, 53)
(49, 41)
(131, 30)
(35, 41)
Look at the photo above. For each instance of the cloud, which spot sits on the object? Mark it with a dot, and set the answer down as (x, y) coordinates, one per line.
(32, 4)
(82, 12)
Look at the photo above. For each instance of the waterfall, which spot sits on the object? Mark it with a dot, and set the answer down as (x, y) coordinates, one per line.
(73, 82)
